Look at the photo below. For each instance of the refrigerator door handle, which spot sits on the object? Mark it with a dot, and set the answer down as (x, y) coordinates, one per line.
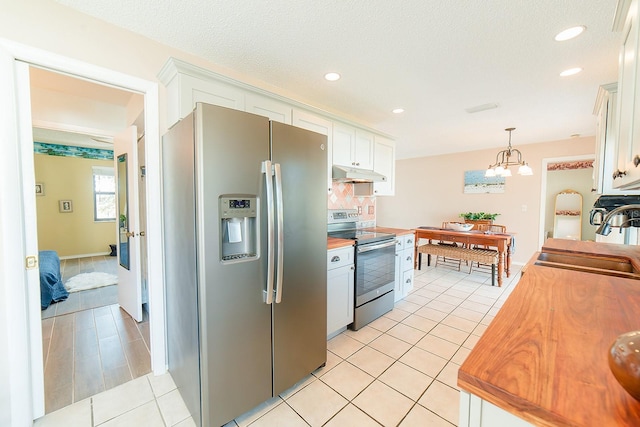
(280, 247)
(267, 171)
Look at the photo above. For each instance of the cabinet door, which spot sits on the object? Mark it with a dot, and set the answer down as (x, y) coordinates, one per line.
(397, 288)
(407, 259)
(363, 155)
(340, 289)
(409, 241)
(263, 106)
(407, 282)
(627, 97)
(344, 140)
(384, 159)
(306, 120)
(184, 91)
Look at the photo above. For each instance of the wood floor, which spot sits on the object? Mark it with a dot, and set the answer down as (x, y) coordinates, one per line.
(90, 350)
(85, 299)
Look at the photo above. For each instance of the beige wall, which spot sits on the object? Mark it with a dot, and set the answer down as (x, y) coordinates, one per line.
(429, 190)
(75, 233)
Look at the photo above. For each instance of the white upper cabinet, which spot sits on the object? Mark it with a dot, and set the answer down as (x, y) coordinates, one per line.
(352, 147)
(187, 84)
(305, 120)
(344, 141)
(263, 106)
(347, 145)
(627, 170)
(363, 156)
(384, 161)
(606, 148)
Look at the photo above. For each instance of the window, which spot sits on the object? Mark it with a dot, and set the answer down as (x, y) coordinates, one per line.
(104, 194)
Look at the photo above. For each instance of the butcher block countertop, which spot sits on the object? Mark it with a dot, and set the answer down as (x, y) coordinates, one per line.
(335, 243)
(544, 356)
(396, 231)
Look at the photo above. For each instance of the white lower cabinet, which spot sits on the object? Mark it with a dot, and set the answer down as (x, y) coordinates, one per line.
(404, 265)
(477, 412)
(340, 289)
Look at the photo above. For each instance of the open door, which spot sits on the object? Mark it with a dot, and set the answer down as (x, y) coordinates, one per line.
(20, 324)
(128, 239)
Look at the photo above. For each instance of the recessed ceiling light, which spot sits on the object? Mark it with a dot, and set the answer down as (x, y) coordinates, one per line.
(397, 110)
(570, 72)
(570, 33)
(332, 77)
(482, 107)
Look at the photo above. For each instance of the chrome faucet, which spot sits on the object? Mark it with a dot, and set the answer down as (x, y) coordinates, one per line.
(605, 228)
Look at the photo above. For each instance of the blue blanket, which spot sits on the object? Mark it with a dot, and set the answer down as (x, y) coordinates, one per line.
(51, 287)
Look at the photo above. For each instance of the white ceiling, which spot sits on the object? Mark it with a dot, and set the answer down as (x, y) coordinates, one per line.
(434, 58)
(76, 111)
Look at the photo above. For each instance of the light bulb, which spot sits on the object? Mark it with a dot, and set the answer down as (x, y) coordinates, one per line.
(489, 173)
(525, 170)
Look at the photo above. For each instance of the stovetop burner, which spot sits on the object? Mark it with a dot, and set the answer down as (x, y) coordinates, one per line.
(362, 236)
(343, 224)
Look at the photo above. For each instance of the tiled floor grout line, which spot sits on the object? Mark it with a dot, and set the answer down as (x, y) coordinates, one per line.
(449, 360)
(449, 291)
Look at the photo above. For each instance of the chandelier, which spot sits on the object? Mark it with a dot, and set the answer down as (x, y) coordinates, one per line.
(506, 158)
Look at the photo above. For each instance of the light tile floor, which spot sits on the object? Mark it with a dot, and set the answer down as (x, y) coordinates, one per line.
(400, 370)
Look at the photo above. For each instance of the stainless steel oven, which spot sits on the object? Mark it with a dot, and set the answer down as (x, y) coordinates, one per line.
(374, 266)
(375, 280)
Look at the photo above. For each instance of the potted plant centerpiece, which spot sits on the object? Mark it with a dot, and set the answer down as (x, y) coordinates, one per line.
(478, 218)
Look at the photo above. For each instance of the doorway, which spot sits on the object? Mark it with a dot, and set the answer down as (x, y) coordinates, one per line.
(18, 243)
(571, 172)
(90, 344)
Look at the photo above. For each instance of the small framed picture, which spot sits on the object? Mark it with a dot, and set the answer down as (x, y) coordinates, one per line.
(65, 206)
(39, 189)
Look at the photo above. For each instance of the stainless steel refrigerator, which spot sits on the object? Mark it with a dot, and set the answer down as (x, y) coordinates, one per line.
(245, 210)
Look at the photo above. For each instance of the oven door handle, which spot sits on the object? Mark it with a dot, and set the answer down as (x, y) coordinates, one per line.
(367, 248)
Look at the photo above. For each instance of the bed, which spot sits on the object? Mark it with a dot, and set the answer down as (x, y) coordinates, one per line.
(51, 287)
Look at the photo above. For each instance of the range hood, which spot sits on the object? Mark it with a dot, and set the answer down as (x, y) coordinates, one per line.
(347, 174)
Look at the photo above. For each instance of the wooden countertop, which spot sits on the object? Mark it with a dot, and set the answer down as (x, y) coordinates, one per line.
(335, 243)
(396, 231)
(544, 356)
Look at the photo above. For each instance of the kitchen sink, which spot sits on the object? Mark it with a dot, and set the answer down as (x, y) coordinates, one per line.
(610, 266)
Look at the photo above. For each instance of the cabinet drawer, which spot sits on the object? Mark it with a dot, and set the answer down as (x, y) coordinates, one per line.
(339, 257)
(408, 241)
(407, 282)
(406, 260)
(457, 239)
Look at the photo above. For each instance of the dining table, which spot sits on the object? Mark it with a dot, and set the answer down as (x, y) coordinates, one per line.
(502, 242)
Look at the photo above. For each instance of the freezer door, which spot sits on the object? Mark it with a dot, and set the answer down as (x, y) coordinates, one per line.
(181, 281)
(300, 318)
(235, 322)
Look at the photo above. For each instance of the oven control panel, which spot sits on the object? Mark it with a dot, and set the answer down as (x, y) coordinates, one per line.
(342, 215)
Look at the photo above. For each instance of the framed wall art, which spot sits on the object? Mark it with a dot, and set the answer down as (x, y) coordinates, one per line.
(476, 183)
(39, 189)
(65, 206)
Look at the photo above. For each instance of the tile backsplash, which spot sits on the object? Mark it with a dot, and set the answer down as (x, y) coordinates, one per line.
(342, 197)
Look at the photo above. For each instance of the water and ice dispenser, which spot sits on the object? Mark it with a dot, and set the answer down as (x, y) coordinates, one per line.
(238, 227)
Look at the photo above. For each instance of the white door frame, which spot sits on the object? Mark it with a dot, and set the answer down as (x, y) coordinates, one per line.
(26, 390)
(543, 187)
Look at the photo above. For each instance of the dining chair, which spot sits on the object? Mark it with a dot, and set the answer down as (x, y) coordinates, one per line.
(488, 228)
(448, 260)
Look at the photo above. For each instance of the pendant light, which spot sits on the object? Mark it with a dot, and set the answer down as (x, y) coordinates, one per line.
(507, 158)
